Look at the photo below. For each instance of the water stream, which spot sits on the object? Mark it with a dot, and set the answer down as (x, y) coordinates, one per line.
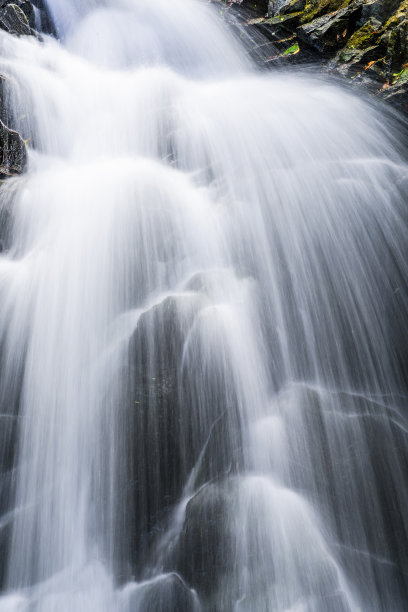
(203, 326)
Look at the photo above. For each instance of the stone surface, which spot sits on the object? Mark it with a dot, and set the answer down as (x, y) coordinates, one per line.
(14, 20)
(167, 593)
(329, 31)
(365, 41)
(164, 397)
(207, 542)
(13, 152)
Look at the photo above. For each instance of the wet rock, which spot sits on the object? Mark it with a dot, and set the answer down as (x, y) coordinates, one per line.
(180, 413)
(379, 52)
(318, 8)
(206, 549)
(164, 594)
(289, 20)
(284, 7)
(364, 40)
(395, 37)
(361, 50)
(14, 20)
(29, 12)
(292, 6)
(330, 31)
(13, 151)
(396, 94)
(38, 15)
(380, 10)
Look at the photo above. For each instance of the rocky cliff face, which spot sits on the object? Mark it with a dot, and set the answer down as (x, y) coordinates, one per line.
(20, 18)
(14, 20)
(364, 40)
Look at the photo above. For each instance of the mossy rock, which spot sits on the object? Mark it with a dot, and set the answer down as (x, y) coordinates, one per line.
(285, 7)
(331, 31)
(362, 48)
(290, 20)
(399, 16)
(14, 20)
(318, 8)
(367, 36)
(13, 152)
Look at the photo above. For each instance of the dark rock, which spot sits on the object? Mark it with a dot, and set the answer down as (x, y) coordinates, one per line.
(207, 542)
(318, 8)
(292, 6)
(369, 39)
(29, 12)
(284, 7)
(361, 49)
(14, 20)
(289, 20)
(167, 593)
(381, 9)
(330, 31)
(397, 95)
(13, 151)
(180, 403)
(380, 53)
(260, 6)
(395, 37)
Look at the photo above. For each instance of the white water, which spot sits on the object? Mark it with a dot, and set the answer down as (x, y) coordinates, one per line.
(202, 327)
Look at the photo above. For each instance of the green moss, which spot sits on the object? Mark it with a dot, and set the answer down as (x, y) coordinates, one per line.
(283, 18)
(318, 8)
(20, 13)
(293, 50)
(400, 15)
(366, 36)
(401, 77)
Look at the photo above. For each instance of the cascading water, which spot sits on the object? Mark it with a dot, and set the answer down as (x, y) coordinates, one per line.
(203, 344)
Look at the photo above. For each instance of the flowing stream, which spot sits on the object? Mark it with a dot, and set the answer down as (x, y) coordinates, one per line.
(203, 326)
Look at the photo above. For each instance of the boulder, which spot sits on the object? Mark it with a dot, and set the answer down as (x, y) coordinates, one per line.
(380, 10)
(13, 152)
(330, 31)
(365, 40)
(362, 49)
(284, 7)
(379, 51)
(166, 593)
(180, 412)
(14, 20)
(207, 542)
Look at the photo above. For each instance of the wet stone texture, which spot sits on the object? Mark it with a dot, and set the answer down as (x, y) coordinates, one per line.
(365, 41)
(13, 152)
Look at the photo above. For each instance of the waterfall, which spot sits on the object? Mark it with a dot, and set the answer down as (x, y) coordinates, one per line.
(203, 332)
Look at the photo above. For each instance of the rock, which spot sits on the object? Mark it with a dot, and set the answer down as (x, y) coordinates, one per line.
(292, 6)
(14, 20)
(379, 51)
(396, 94)
(369, 39)
(318, 8)
(38, 15)
(180, 412)
(29, 12)
(330, 31)
(167, 593)
(13, 152)
(380, 10)
(288, 21)
(283, 7)
(207, 543)
(362, 49)
(395, 38)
